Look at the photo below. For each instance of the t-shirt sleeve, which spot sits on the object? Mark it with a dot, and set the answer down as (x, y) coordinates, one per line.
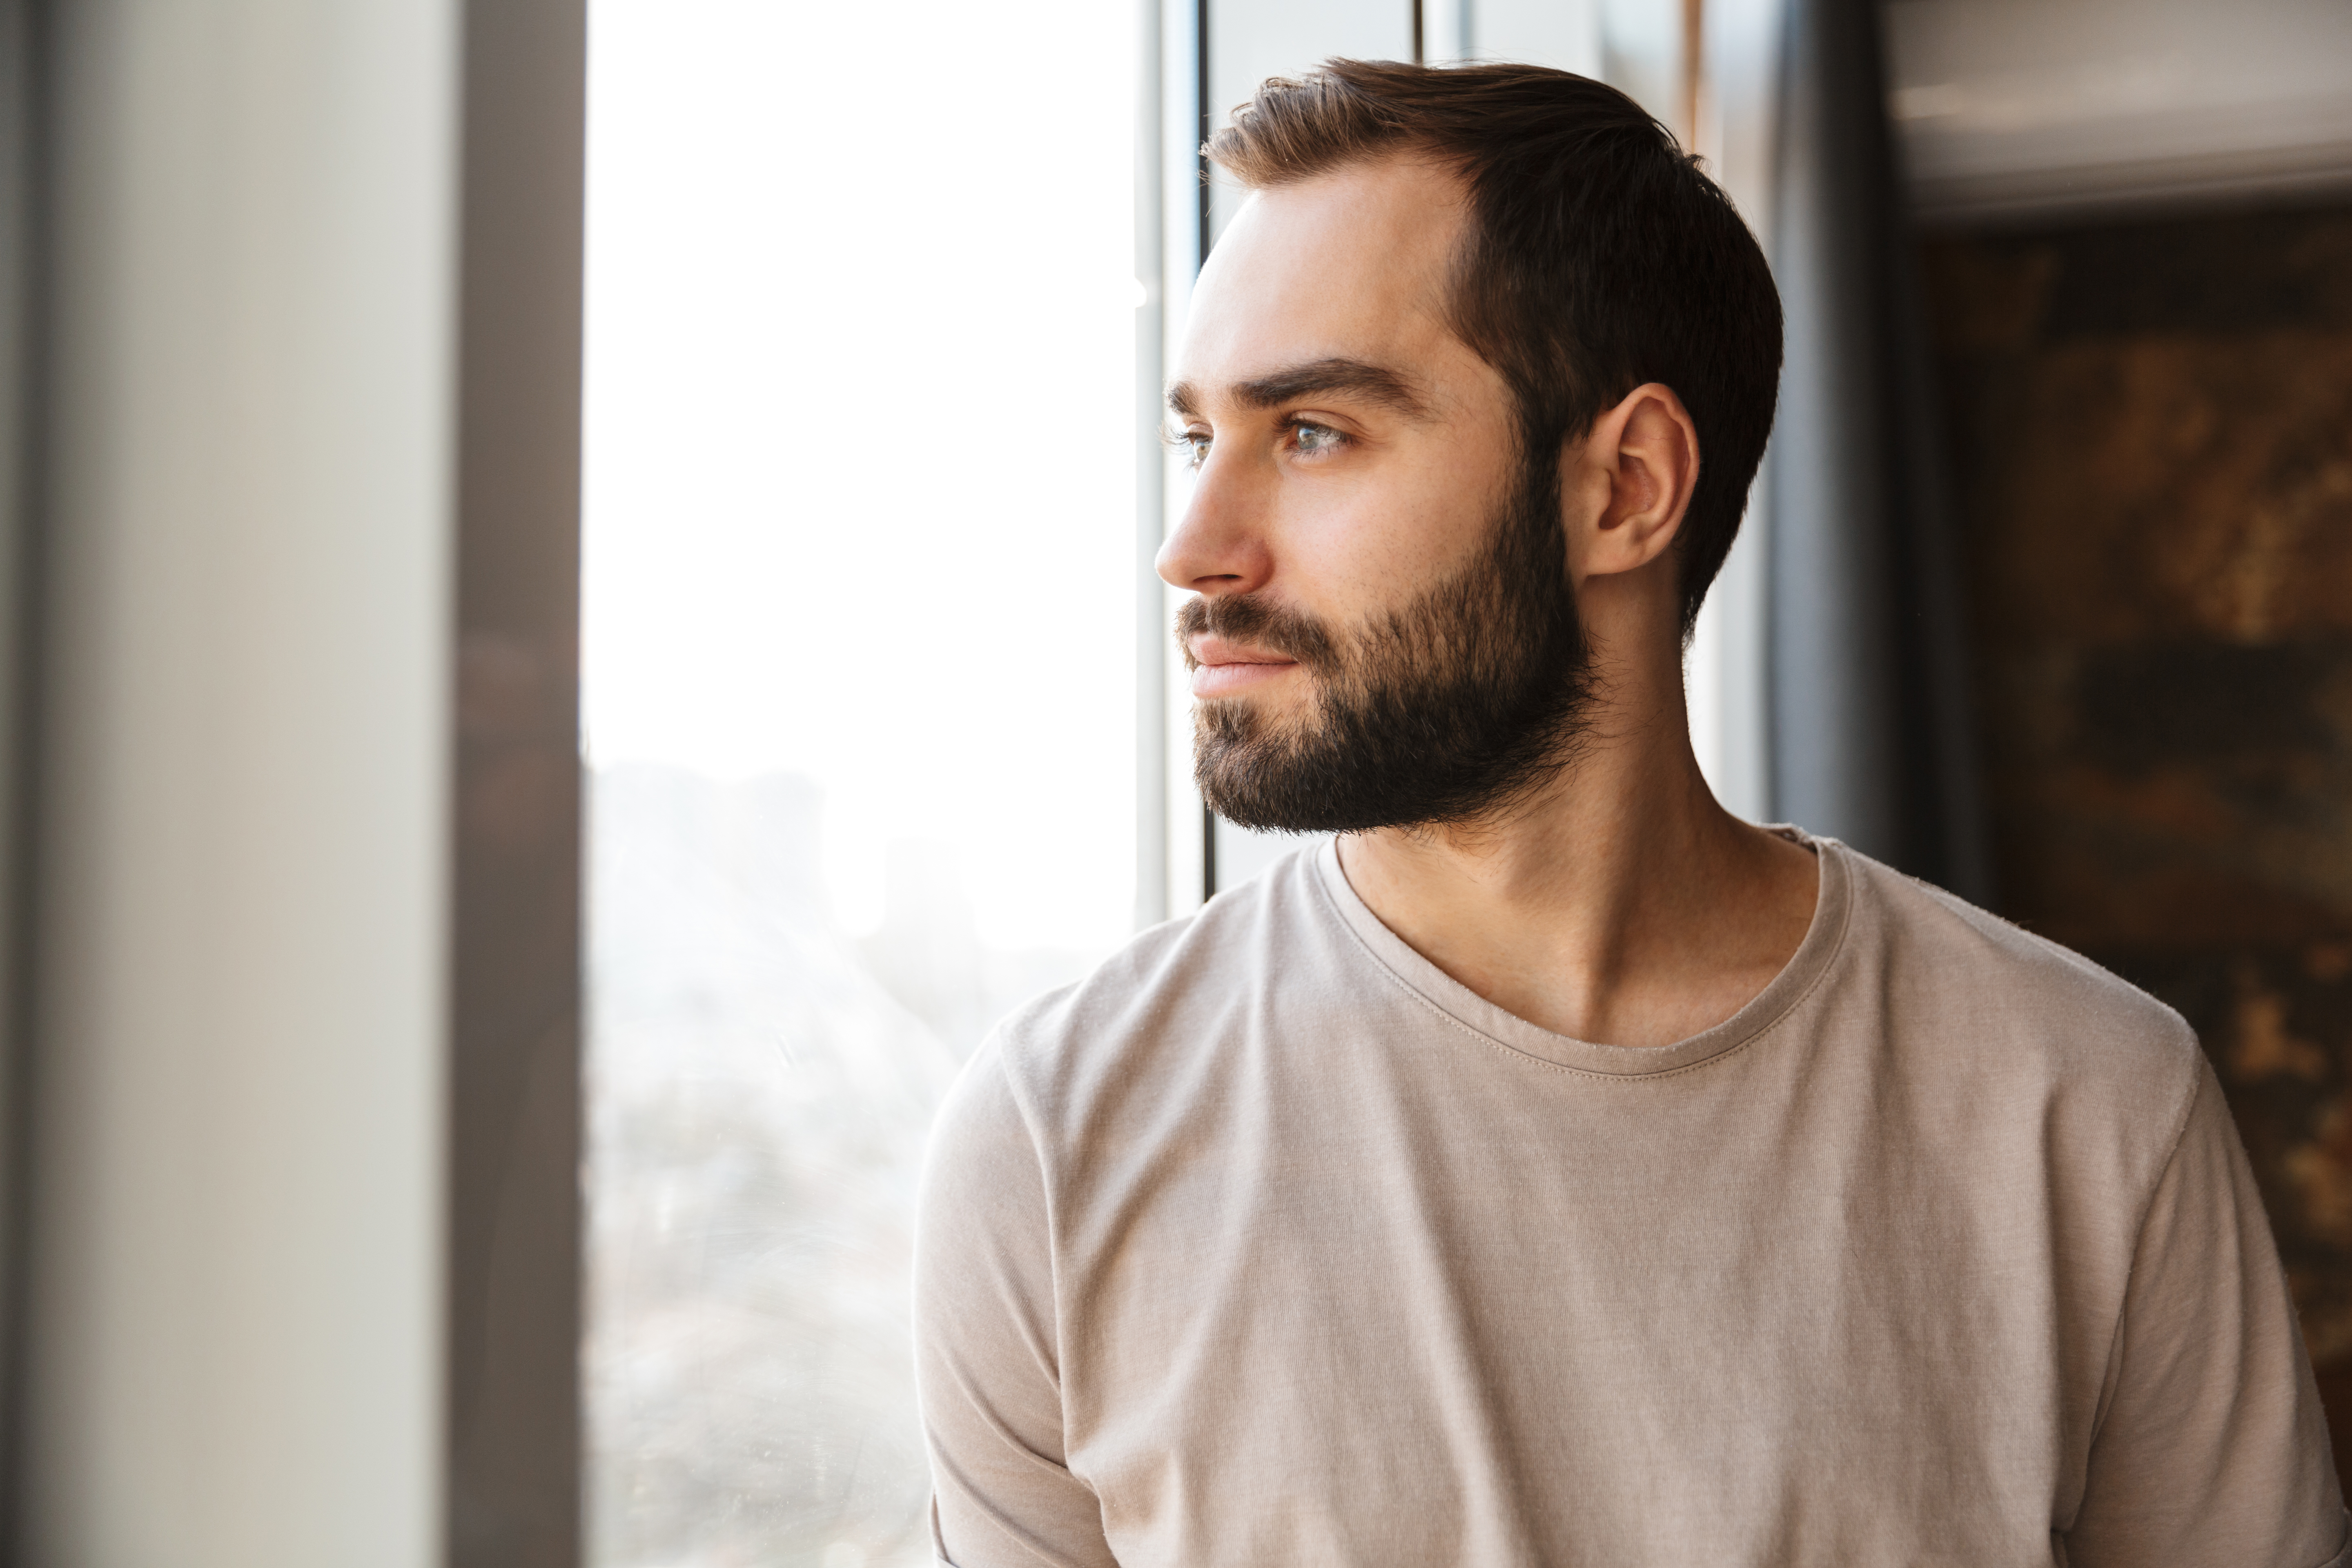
(2213, 1448)
(987, 1357)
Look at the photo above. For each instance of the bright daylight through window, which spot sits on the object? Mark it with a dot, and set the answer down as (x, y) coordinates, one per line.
(859, 700)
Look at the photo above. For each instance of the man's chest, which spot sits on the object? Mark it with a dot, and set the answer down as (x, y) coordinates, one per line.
(1411, 1345)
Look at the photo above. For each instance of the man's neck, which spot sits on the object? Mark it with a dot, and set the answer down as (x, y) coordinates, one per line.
(1622, 906)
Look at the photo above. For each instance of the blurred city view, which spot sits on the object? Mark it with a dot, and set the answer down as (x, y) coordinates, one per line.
(760, 1086)
(858, 433)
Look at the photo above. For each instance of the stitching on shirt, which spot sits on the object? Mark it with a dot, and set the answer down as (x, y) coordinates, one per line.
(1016, 1090)
(1837, 948)
(2139, 1236)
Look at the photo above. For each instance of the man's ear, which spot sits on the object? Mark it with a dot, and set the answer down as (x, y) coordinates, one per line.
(1633, 477)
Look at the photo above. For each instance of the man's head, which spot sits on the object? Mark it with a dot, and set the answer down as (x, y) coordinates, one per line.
(1455, 363)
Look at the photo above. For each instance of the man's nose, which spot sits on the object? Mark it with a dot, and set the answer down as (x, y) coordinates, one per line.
(1219, 548)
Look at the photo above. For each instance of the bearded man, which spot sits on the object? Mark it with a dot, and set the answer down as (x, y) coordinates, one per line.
(1555, 1169)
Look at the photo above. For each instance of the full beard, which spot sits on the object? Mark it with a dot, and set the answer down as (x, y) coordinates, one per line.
(1441, 711)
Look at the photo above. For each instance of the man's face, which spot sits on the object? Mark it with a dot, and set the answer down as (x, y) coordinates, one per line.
(1384, 633)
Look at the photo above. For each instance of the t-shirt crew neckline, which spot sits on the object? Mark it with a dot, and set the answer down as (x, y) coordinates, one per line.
(1824, 937)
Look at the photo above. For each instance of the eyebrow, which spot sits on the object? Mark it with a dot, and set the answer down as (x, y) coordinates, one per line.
(1357, 378)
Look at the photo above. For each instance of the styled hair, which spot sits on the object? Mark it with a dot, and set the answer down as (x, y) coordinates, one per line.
(1598, 255)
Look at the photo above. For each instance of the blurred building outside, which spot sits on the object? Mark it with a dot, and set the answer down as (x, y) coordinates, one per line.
(858, 701)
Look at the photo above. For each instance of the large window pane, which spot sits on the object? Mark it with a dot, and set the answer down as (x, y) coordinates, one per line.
(859, 700)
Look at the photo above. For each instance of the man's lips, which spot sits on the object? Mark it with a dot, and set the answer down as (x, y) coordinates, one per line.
(1222, 668)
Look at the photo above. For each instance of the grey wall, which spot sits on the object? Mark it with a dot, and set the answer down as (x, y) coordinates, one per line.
(233, 1339)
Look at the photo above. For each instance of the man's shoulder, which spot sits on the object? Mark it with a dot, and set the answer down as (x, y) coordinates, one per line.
(1172, 990)
(2014, 996)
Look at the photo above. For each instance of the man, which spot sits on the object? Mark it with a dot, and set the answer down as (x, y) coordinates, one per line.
(1558, 1170)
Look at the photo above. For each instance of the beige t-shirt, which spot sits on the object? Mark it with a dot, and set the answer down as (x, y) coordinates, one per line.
(1269, 1244)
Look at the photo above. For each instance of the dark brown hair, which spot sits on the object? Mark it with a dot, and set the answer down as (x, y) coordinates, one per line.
(1598, 256)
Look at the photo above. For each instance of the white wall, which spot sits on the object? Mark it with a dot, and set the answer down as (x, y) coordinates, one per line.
(235, 1355)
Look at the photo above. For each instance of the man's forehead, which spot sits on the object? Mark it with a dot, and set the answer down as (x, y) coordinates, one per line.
(1350, 265)
(1413, 204)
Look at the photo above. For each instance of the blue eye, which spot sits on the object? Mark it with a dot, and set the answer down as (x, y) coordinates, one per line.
(1315, 440)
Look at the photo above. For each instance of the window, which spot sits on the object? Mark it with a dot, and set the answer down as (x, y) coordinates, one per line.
(859, 698)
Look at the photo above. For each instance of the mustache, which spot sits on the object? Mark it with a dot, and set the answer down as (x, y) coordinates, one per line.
(1246, 619)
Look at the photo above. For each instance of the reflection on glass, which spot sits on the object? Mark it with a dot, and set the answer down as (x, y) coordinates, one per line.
(859, 703)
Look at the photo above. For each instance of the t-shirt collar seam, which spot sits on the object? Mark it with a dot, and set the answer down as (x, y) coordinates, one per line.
(1830, 960)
